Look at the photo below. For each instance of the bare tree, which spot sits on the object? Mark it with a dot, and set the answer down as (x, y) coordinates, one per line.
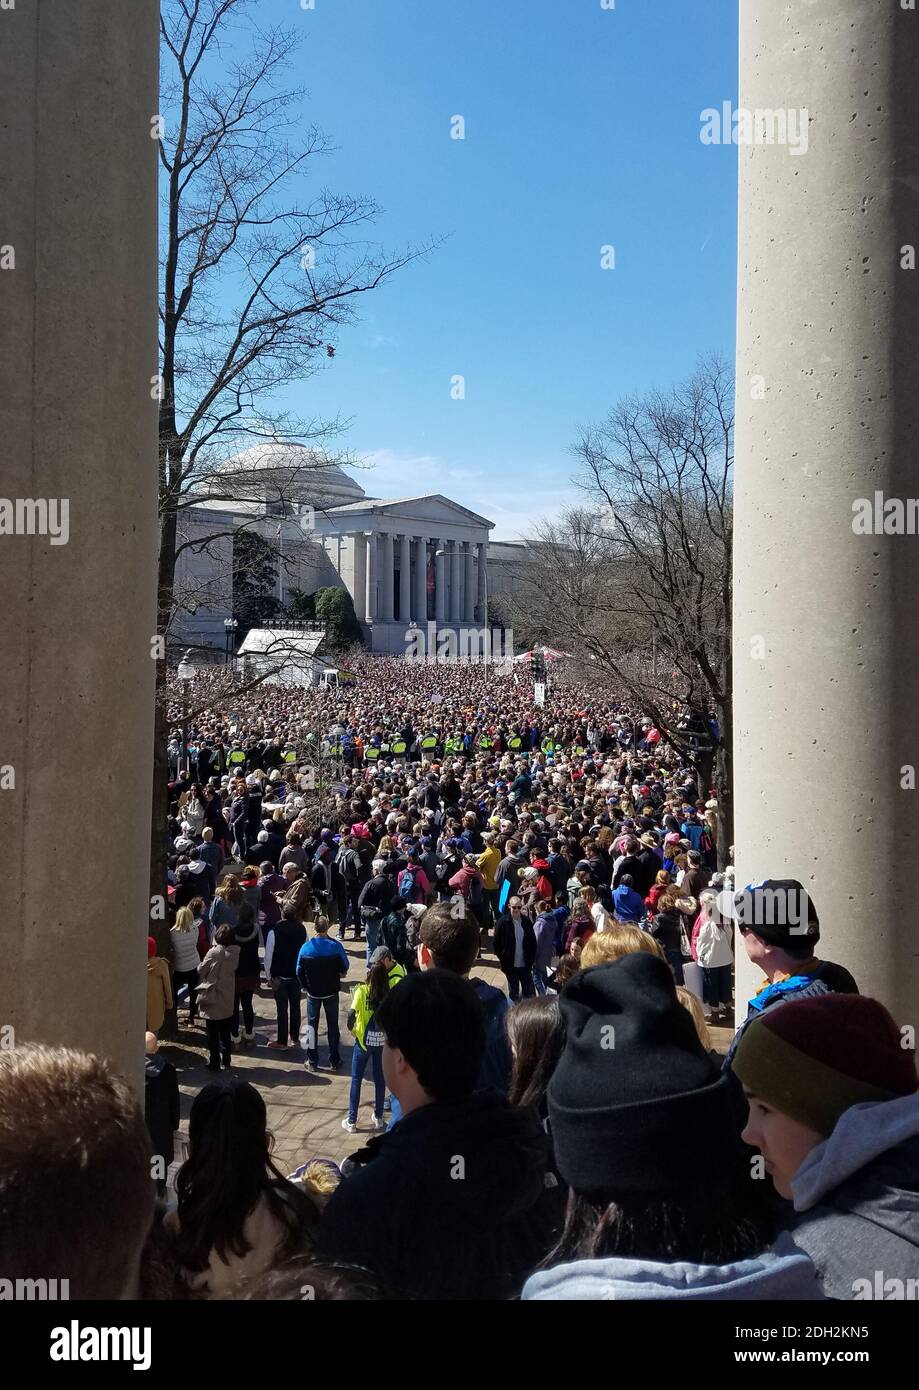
(259, 269)
(640, 578)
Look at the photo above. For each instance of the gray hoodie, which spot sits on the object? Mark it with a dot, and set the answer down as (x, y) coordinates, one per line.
(780, 1273)
(857, 1195)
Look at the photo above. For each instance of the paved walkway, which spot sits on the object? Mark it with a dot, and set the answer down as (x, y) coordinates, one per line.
(305, 1109)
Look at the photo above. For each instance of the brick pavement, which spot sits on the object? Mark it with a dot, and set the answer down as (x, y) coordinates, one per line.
(305, 1109)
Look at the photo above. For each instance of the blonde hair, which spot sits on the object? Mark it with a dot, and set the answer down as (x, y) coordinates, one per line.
(620, 940)
(692, 1005)
(185, 919)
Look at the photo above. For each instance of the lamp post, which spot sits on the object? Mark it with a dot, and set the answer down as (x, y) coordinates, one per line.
(229, 627)
(185, 673)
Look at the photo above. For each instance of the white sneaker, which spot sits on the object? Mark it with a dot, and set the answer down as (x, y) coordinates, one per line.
(379, 1124)
(346, 1124)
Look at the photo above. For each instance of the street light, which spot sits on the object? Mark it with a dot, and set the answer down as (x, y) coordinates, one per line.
(229, 627)
(185, 673)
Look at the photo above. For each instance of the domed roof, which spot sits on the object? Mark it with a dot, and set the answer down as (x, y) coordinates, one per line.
(296, 468)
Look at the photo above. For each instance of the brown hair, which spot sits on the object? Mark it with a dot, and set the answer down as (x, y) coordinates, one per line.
(453, 941)
(536, 1034)
(77, 1194)
(230, 891)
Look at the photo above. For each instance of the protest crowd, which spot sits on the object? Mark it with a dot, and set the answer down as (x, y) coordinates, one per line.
(574, 1135)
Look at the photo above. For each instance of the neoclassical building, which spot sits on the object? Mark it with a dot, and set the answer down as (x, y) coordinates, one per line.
(408, 560)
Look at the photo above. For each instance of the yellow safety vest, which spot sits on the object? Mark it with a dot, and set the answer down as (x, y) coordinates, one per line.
(236, 757)
(289, 755)
(486, 742)
(452, 745)
(514, 742)
(429, 741)
(547, 745)
(399, 746)
(372, 752)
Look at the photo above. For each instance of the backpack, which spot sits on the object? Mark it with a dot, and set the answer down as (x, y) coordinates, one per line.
(407, 884)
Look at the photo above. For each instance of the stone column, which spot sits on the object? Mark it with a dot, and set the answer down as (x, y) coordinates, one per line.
(468, 598)
(440, 583)
(421, 580)
(358, 588)
(388, 595)
(373, 572)
(405, 580)
(78, 363)
(454, 582)
(826, 642)
(481, 597)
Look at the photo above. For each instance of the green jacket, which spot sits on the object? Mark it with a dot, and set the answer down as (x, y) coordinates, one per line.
(360, 1006)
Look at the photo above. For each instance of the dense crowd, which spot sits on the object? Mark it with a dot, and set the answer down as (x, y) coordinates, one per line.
(573, 1136)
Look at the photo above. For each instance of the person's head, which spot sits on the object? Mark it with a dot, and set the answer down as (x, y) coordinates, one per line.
(225, 935)
(568, 966)
(804, 1065)
(185, 919)
(150, 1043)
(662, 878)
(207, 834)
(322, 926)
(641, 1118)
(435, 1038)
(694, 858)
(778, 923)
(197, 907)
(514, 906)
(535, 1034)
(448, 939)
(626, 881)
(291, 871)
(381, 962)
(619, 940)
(76, 1196)
(266, 868)
(227, 1170)
(230, 891)
(378, 866)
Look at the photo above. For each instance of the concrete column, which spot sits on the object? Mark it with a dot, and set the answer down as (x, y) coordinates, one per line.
(405, 580)
(420, 613)
(388, 591)
(78, 361)
(373, 572)
(826, 642)
(358, 587)
(468, 596)
(440, 583)
(481, 586)
(454, 582)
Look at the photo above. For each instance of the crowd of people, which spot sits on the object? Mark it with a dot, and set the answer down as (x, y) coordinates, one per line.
(575, 1135)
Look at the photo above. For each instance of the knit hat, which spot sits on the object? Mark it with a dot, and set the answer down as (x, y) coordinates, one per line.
(813, 1059)
(779, 911)
(151, 947)
(635, 1103)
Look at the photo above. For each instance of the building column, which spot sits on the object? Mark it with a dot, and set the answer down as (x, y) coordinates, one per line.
(420, 613)
(388, 594)
(826, 643)
(78, 362)
(405, 580)
(440, 582)
(454, 582)
(358, 587)
(373, 572)
(481, 599)
(468, 599)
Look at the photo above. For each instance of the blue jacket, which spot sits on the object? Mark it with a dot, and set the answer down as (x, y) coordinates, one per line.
(627, 904)
(321, 965)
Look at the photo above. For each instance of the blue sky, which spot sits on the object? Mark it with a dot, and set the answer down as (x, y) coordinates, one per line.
(582, 130)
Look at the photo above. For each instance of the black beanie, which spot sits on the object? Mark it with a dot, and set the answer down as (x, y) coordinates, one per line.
(636, 1104)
